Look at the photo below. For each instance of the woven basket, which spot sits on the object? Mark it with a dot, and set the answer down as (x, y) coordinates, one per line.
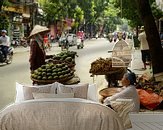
(118, 70)
(106, 92)
(52, 81)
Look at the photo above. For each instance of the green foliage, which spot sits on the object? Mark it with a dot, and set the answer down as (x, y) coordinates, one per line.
(156, 11)
(61, 9)
(130, 12)
(4, 24)
(4, 3)
(93, 12)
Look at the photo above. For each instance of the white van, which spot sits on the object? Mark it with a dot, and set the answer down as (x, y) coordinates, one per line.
(72, 38)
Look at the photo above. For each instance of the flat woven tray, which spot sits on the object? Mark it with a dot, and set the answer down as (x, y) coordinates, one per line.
(52, 81)
(106, 92)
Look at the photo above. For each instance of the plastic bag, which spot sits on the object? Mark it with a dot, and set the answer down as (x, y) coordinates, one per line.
(148, 99)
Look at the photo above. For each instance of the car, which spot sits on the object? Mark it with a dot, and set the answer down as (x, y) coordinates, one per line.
(72, 38)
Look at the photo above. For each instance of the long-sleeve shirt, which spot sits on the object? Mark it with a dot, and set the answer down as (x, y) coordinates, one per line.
(5, 40)
(143, 41)
(129, 92)
(37, 56)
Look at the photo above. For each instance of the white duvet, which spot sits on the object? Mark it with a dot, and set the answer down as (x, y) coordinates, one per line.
(59, 114)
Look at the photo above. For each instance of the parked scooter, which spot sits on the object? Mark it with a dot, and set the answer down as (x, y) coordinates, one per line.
(15, 43)
(79, 43)
(9, 57)
(23, 42)
(19, 42)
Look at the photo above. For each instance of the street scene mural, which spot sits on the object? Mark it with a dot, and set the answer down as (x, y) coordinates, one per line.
(64, 63)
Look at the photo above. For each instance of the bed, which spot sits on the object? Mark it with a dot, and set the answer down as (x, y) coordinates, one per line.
(51, 111)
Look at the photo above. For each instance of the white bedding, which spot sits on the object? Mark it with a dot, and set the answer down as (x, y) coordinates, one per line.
(59, 114)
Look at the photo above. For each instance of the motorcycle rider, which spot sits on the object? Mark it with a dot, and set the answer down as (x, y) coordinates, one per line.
(4, 42)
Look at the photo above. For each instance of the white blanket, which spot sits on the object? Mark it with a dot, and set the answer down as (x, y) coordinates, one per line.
(59, 114)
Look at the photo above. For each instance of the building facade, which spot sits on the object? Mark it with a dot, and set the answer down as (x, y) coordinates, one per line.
(21, 15)
(160, 5)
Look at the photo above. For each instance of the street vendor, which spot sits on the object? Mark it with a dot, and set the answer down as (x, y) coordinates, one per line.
(129, 91)
(37, 49)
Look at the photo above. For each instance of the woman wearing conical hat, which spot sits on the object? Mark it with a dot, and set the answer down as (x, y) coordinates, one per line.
(37, 51)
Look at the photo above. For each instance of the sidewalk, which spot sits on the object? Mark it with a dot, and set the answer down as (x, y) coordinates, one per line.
(136, 62)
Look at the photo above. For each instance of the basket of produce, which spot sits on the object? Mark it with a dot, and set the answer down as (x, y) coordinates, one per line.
(64, 55)
(62, 80)
(103, 66)
(50, 73)
(67, 57)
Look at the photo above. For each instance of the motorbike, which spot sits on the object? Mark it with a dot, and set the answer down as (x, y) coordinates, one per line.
(15, 43)
(23, 42)
(64, 45)
(19, 42)
(79, 43)
(9, 57)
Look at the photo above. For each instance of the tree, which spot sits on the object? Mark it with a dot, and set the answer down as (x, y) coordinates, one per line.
(1, 4)
(111, 18)
(3, 17)
(153, 38)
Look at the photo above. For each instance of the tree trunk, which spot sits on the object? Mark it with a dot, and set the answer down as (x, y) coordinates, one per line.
(152, 33)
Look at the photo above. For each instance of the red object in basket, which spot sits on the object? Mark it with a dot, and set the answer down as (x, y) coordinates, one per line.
(148, 99)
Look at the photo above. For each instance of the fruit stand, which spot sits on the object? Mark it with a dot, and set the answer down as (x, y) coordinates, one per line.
(60, 68)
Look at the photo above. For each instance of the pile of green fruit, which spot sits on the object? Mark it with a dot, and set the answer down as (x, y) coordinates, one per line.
(52, 71)
(68, 57)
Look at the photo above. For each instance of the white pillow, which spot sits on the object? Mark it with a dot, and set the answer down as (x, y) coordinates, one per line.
(92, 93)
(80, 91)
(20, 90)
(49, 95)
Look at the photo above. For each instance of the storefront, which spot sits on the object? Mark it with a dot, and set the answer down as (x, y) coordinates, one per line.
(14, 14)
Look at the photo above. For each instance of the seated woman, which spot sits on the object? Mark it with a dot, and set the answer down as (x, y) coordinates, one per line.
(129, 92)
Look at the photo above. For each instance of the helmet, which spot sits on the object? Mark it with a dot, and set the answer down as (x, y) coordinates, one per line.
(4, 31)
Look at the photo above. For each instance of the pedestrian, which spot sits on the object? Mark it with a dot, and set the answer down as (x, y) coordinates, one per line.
(47, 42)
(115, 36)
(37, 49)
(144, 48)
(110, 36)
(128, 92)
(5, 42)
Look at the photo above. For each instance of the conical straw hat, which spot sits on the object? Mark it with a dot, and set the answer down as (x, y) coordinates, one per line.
(38, 29)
